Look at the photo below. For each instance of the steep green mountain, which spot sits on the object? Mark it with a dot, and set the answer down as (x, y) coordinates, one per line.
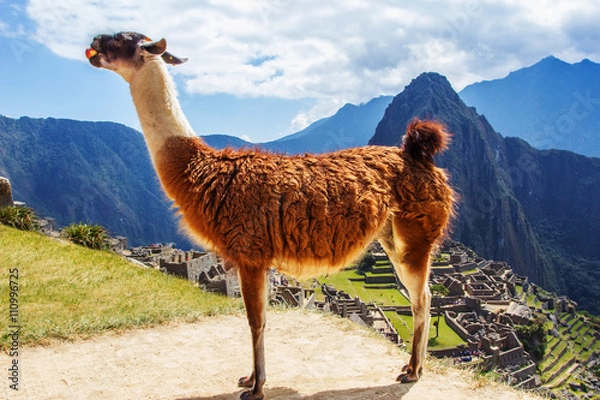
(528, 207)
(552, 104)
(560, 195)
(93, 172)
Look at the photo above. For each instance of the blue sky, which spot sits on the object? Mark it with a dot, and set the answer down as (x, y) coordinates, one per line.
(264, 69)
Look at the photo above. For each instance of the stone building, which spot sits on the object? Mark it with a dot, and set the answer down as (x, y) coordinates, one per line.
(342, 304)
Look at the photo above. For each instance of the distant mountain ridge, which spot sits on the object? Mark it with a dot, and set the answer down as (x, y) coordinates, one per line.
(535, 209)
(92, 172)
(351, 126)
(220, 141)
(551, 104)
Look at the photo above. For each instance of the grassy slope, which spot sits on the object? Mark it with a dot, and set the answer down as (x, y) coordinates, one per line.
(66, 291)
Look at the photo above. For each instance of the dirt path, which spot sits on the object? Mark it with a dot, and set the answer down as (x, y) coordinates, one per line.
(309, 356)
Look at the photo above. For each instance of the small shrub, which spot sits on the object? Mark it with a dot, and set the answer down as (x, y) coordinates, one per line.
(439, 289)
(92, 236)
(533, 337)
(20, 217)
(366, 264)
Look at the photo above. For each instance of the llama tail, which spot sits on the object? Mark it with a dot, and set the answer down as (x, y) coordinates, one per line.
(424, 139)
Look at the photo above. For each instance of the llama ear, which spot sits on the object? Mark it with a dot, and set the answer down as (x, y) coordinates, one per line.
(156, 48)
(171, 59)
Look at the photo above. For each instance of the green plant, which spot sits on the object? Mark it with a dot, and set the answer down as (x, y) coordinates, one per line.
(432, 342)
(436, 323)
(366, 264)
(92, 236)
(533, 337)
(439, 289)
(20, 217)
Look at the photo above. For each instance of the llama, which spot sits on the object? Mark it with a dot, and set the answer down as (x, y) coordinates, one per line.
(303, 215)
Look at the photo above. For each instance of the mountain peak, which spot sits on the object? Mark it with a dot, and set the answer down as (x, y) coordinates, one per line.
(550, 63)
(541, 104)
(430, 81)
(551, 60)
(431, 77)
(554, 61)
(427, 96)
(435, 86)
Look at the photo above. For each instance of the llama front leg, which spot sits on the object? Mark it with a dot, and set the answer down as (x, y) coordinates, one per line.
(253, 282)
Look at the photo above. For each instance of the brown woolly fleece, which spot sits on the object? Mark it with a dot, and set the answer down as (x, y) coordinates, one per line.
(305, 215)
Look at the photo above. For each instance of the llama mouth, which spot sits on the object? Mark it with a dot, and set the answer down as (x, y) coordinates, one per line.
(93, 56)
(90, 52)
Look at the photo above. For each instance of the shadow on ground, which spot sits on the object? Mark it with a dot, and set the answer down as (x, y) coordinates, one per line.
(395, 391)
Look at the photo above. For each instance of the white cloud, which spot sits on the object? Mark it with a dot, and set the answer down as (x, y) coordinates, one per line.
(346, 51)
(322, 108)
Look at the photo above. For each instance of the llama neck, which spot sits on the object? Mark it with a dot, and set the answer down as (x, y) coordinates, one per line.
(155, 98)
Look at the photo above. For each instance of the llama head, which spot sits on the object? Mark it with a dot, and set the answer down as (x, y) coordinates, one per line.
(126, 52)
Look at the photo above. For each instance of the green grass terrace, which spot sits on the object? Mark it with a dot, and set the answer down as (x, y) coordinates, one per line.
(353, 284)
(67, 291)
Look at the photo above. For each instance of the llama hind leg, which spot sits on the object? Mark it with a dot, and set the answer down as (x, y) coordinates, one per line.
(420, 298)
(253, 282)
(409, 253)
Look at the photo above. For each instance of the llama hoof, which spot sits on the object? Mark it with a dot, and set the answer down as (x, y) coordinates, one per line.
(246, 381)
(408, 375)
(407, 378)
(251, 396)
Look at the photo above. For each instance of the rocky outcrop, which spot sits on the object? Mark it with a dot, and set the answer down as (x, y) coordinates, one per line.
(5, 193)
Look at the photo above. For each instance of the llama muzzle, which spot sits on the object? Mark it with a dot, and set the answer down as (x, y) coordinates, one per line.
(89, 53)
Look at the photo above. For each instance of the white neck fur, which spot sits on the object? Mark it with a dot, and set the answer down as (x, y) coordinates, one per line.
(155, 98)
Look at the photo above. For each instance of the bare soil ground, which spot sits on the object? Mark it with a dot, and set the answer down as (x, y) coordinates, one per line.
(309, 356)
